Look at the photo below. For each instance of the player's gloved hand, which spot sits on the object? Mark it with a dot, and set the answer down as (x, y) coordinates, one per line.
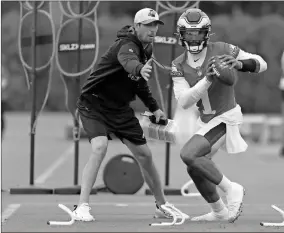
(159, 114)
(146, 70)
(210, 74)
(230, 61)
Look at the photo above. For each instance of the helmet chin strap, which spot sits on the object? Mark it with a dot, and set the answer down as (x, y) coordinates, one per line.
(197, 49)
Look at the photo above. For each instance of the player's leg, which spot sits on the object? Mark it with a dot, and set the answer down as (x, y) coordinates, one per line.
(209, 192)
(97, 135)
(206, 188)
(194, 154)
(282, 112)
(3, 108)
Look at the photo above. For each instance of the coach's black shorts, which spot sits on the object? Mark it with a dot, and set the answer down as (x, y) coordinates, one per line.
(98, 119)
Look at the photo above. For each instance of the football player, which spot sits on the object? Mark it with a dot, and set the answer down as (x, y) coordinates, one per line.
(195, 82)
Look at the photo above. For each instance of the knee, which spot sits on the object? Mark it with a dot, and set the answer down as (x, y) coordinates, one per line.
(188, 157)
(189, 154)
(99, 145)
(144, 157)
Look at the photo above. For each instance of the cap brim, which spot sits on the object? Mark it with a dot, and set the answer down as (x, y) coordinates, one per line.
(153, 20)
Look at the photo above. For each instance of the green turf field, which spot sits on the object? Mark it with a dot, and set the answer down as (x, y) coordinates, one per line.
(260, 170)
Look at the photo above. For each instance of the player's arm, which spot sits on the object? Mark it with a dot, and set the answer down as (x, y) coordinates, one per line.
(128, 58)
(251, 62)
(144, 93)
(242, 60)
(184, 94)
(188, 96)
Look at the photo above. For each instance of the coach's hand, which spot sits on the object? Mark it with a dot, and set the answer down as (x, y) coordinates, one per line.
(146, 70)
(159, 114)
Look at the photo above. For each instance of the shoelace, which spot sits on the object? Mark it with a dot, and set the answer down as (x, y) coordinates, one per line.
(232, 206)
(172, 208)
(164, 212)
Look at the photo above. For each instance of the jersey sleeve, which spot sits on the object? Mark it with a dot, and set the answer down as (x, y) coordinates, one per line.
(179, 82)
(128, 58)
(232, 50)
(261, 65)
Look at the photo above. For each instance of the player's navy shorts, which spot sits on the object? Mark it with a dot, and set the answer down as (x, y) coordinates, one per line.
(98, 119)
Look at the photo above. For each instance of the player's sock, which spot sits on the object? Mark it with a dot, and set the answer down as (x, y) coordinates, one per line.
(217, 206)
(225, 184)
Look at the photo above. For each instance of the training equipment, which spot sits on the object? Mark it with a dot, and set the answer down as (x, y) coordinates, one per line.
(65, 223)
(165, 131)
(186, 192)
(223, 72)
(271, 224)
(176, 213)
(122, 175)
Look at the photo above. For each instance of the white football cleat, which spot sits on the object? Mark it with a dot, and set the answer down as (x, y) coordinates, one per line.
(235, 201)
(161, 213)
(223, 215)
(82, 213)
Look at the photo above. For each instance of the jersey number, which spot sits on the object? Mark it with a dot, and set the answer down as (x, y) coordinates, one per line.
(206, 104)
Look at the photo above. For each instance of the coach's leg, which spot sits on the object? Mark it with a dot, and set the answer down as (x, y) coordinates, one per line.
(97, 134)
(144, 156)
(90, 172)
(99, 148)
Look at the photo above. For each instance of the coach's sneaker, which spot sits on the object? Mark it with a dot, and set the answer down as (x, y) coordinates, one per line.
(161, 213)
(82, 213)
(222, 215)
(235, 201)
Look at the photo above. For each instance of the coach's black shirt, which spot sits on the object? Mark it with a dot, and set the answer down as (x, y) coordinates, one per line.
(116, 78)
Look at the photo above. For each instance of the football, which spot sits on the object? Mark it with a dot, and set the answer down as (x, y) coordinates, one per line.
(223, 73)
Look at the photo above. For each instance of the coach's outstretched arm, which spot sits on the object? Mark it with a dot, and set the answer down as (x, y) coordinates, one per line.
(128, 58)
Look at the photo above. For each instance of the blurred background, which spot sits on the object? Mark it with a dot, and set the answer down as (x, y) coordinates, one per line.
(257, 27)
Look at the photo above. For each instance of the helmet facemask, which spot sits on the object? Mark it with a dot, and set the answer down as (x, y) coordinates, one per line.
(193, 29)
(195, 40)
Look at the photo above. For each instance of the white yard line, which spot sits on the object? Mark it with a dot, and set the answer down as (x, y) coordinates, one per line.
(8, 212)
(141, 204)
(58, 162)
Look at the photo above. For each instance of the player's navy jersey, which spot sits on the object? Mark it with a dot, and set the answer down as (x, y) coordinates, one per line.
(219, 97)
